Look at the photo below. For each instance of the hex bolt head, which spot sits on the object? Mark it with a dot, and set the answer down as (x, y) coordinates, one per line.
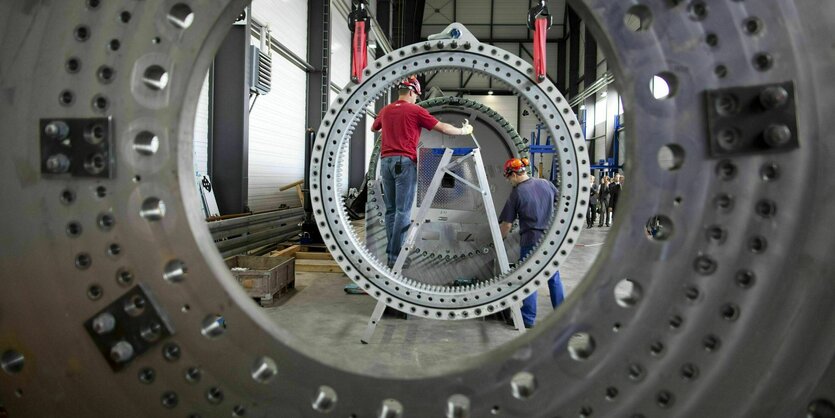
(774, 97)
(58, 164)
(56, 130)
(104, 323)
(121, 352)
(777, 135)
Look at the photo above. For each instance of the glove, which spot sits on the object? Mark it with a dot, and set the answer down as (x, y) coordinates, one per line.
(466, 128)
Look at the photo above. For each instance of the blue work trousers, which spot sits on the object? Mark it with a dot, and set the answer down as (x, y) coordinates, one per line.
(398, 194)
(554, 287)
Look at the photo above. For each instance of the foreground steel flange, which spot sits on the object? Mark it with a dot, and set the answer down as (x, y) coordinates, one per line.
(730, 313)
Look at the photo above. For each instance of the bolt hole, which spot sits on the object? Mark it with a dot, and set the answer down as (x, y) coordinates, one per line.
(670, 157)
(757, 244)
(745, 278)
(124, 277)
(181, 16)
(712, 40)
(74, 229)
(689, 372)
(213, 326)
(153, 209)
(66, 98)
(83, 261)
(770, 172)
(106, 221)
(763, 61)
(663, 85)
(730, 312)
(73, 65)
(125, 17)
(821, 408)
(766, 208)
(95, 292)
(752, 25)
(155, 78)
(12, 362)
(175, 271)
(82, 33)
(100, 103)
(581, 346)
(638, 18)
(698, 10)
(627, 293)
(659, 228)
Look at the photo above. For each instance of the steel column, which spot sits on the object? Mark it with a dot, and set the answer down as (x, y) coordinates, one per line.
(230, 122)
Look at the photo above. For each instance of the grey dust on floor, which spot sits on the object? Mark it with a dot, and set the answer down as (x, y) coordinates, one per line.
(328, 324)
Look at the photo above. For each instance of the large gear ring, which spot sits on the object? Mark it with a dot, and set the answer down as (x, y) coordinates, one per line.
(449, 302)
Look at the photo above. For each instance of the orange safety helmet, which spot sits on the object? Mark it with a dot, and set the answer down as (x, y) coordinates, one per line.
(515, 165)
(410, 83)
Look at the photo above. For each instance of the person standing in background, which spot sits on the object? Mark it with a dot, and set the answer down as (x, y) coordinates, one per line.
(603, 201)
(593, 190)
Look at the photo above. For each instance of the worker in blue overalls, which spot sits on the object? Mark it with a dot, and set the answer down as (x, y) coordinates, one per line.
(532, 201)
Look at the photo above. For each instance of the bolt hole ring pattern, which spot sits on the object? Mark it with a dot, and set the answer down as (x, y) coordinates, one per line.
(332, 139)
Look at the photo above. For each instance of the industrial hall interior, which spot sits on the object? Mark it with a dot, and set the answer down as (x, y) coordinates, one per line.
(417, 208)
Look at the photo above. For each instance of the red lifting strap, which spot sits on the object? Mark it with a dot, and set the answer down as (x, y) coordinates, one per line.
(539, 43)
(360, 56)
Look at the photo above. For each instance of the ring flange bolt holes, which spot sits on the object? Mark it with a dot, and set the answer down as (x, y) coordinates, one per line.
(78, 147)
(128, 327)
(752, 120)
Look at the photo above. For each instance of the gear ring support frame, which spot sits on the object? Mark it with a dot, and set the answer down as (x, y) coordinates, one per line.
(734, 310)
(411, 296)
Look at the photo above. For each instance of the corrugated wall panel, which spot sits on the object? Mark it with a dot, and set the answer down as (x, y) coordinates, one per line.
(201, 130)
(277, 131)
(287, 20)
(340, 49)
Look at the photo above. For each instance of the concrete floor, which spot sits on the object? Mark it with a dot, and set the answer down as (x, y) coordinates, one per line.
(329, 323)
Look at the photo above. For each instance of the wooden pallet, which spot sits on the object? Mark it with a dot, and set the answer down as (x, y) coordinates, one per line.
(309, 258)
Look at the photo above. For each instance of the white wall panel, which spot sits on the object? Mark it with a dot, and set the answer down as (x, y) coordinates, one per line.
(287, 20)
(506, 106)
(201, 130)
(340, 49)
(276, 138)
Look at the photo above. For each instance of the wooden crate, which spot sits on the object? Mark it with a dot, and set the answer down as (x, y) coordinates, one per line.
(264, 277)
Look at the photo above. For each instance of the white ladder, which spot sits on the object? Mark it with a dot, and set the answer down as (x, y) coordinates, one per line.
(483, 188)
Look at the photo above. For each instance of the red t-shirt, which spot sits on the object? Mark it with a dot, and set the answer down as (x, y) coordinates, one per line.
(401, 122)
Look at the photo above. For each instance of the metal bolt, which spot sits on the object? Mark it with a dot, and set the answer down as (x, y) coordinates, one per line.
(728, 139)
(151, 332)
(57, 130)
(104, 323)
(121, 352)
(454, 44)
(774, 97)
(777, 135)
(58, 163)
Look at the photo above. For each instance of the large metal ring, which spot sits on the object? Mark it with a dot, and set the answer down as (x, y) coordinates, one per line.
(729, 311)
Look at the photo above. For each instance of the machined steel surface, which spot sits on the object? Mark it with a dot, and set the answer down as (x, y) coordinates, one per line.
(731, 315)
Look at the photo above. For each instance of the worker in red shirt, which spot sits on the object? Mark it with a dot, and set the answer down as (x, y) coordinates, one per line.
(401, 123)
